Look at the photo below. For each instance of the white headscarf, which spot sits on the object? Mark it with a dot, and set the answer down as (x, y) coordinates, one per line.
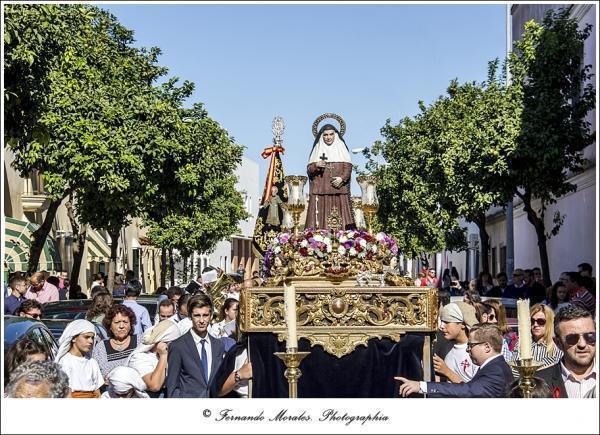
(336, 152)
(73, 329)
(165, 331)
(122, 379)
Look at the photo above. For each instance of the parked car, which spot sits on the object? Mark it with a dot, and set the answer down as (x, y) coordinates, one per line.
(16, 327)
(76, 308)
(57, 326)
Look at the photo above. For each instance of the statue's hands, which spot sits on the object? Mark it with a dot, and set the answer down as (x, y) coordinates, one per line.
(321, 164)
(337, 182)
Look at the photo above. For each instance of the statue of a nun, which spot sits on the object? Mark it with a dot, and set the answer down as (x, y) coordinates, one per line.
(329, 171)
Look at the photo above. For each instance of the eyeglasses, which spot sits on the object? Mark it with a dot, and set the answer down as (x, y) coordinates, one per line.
(491, 316)
(471, 345)
(573, 339)
(540, 322)
(34, 316)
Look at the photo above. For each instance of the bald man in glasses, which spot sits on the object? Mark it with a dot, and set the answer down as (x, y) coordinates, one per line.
(575, 375)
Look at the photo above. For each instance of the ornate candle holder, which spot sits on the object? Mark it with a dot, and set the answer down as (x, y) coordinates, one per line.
(296, 202)
(526, 368)
(370, 203)
(292, 359)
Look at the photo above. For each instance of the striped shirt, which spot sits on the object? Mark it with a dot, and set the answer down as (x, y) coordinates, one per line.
(578, 389)
(109, 358)
(540, 353)
(584, 299)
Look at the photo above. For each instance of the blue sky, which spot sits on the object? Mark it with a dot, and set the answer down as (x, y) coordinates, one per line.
(366, 62)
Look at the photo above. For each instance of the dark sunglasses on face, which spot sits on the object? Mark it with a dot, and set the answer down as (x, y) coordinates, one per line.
(34, 316)
(573, 339)
(491, 317)
(540, 322)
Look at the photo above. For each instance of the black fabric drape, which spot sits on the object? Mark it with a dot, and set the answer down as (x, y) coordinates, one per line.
(366, 372)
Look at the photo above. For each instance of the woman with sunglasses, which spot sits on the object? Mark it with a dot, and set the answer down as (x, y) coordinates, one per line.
(543, 348)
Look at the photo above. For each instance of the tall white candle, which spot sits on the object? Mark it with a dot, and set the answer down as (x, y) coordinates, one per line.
(524, 328)
(290, 315)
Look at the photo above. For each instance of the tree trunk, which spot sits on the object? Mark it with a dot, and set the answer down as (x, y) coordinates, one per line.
(171, 267)
(112, 265)
(40, 235)
(163, 267)
(142, 274)
(540, 231)
(484, 243)
(77, 247)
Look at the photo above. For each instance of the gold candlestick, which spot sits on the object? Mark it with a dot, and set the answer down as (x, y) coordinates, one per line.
(370, 210)
(296, 210)
(526, 368)
(292, 359)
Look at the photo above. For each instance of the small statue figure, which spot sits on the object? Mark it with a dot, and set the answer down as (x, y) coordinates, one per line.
(274, 205)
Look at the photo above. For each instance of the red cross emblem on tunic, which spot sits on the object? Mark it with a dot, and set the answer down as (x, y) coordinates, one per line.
(465, 365)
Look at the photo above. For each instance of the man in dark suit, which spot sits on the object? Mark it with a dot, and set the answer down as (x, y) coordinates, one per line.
(574, 376)
(493, 378)
(518, 289)
(195, 357)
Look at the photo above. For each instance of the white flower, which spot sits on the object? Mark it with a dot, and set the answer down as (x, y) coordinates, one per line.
(319, 238)
(329, 248)
(275, 241)
(374, 249)
(380, 236)
(277, 250)
(352, 252)
(351, 234)
(304, 243)
(343, 239)
(341, 250)
(362, 243)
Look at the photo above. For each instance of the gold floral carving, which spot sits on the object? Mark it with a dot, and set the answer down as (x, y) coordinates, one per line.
(342, 318)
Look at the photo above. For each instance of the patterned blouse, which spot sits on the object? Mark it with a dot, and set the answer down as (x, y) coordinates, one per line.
(108, 358)
(539, 352)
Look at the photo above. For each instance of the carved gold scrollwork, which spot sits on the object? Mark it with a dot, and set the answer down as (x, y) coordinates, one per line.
(339, 319)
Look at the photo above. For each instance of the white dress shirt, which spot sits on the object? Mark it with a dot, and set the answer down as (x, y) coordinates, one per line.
(578, 389)
(207, 348)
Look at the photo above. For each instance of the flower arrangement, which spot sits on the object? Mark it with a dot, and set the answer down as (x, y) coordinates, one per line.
(361, 244)
(334, 250)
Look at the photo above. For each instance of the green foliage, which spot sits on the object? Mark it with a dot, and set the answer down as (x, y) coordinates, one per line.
(449, 161)
(82, 107)
(557, 93)
(197, 203)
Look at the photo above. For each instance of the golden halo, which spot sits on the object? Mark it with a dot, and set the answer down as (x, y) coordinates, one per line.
(338, 118)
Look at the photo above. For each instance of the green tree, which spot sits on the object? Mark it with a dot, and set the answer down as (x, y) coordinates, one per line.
(481, 121)
(556, 94)
(85, 128)
(409, 204)
(449, 161)
(196, 204)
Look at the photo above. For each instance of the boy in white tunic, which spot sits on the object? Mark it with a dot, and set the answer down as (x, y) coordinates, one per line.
(457, 318)
(85, 377)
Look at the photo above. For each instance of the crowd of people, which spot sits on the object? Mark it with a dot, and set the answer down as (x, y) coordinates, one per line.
(190, 350)
(475, 350)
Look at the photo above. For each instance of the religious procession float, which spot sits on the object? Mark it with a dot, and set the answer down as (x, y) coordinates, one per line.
(333, 318)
